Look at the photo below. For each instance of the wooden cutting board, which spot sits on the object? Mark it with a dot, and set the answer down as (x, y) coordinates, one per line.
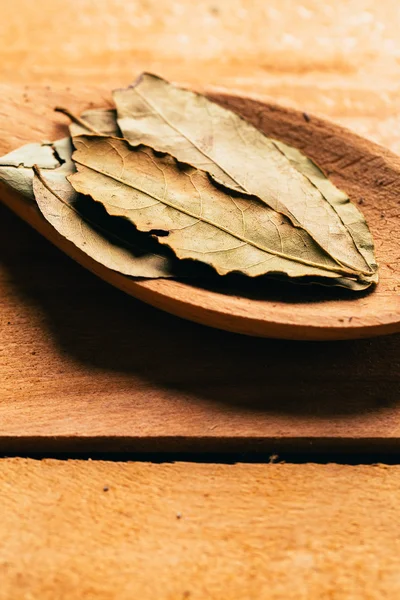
(85, 368)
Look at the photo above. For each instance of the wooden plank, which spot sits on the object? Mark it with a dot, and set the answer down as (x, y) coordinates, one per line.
(190, 531)
(86, 369)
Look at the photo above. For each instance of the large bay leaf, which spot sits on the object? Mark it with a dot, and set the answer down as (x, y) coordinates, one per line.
(229, 232)
(202, 133)
(108, 241)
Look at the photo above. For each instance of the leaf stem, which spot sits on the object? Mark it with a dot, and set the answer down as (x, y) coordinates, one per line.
(75, 119)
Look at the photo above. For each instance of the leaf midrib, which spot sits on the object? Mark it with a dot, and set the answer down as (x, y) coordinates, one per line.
(170, 124)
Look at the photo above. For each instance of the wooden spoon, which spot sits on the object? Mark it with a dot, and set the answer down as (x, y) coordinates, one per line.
(369, 173)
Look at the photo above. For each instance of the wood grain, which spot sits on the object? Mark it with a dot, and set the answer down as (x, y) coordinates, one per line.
(187, 531)
(366, 172)
(276, 531)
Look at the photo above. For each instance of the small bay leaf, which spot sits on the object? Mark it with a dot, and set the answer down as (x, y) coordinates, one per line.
(197, 131)
(229, 232)
(86, 227)
(16, 167)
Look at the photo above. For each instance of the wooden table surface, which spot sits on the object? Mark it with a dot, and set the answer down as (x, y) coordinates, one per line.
(93, 529)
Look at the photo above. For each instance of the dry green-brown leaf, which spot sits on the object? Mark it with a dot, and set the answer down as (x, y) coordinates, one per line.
(231, 233)
(106, 240)
(348, 212)
(202, 133)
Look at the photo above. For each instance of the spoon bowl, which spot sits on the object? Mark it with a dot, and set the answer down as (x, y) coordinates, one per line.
(367, 172)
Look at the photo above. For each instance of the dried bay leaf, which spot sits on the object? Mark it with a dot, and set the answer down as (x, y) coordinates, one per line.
(60, 201)
(202, 133)
(205, 223)
(106, 240)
